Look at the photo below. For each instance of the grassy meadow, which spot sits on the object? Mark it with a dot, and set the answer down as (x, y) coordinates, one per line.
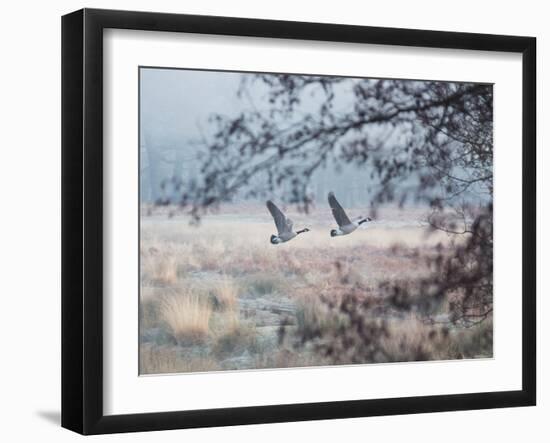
(219, 296)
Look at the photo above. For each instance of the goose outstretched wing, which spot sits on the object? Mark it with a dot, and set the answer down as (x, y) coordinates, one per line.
(283, 223)
(337, 211)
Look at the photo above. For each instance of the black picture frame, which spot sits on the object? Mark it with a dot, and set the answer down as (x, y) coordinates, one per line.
(82, 219)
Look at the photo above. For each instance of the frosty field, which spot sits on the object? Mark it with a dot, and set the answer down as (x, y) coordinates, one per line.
(219, 296)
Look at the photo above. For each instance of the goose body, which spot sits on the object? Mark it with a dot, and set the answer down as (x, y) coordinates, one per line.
(345, 225)
(284, 225)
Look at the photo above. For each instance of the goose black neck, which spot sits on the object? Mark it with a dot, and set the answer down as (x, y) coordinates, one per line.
(364, 220)
(302, 231)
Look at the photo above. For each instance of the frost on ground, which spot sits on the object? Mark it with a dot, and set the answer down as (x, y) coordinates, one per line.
(219, 296)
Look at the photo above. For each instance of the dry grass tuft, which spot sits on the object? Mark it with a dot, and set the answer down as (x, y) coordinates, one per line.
(226, 294)
(165, 360)
(313, 316)
(412, 339)
(187, 316)
(166, 270)
(159, 267)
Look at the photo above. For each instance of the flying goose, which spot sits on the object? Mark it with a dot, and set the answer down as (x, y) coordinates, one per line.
(345, 225)
(284, 225)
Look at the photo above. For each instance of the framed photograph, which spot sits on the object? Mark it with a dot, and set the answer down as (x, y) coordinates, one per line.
(270, 221)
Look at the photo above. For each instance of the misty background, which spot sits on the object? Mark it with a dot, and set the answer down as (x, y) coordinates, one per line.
(177, 113)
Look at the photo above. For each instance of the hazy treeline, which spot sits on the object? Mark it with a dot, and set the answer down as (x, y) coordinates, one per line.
(178, 116)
